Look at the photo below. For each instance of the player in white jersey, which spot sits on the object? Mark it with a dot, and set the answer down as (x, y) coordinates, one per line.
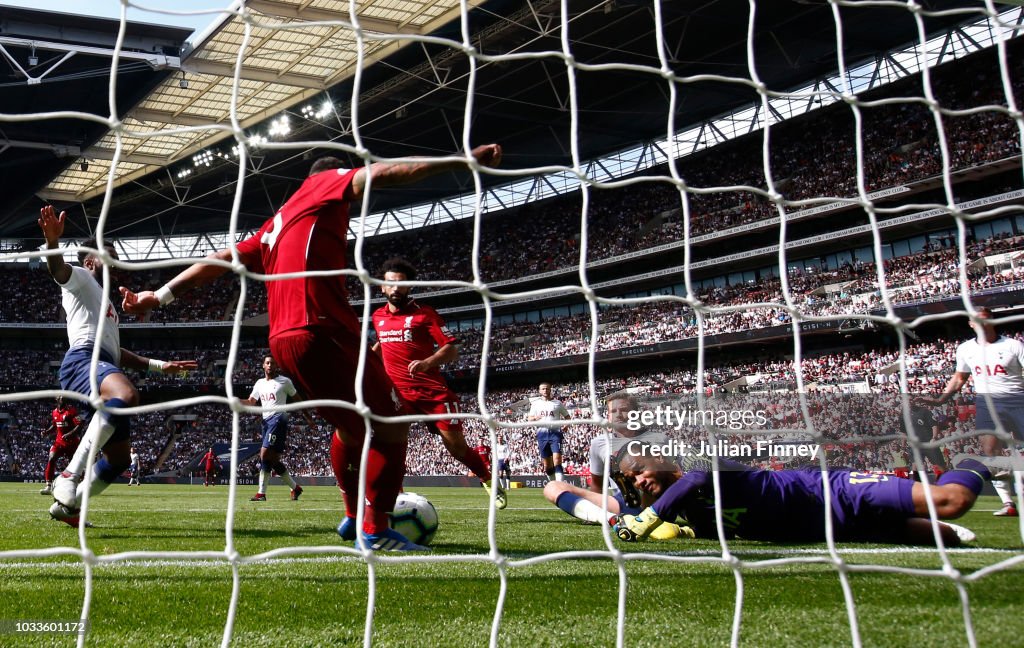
(996, 363)
(549, 438)
(135, 469)
(587, 504)
(82, 299)
(274, 389)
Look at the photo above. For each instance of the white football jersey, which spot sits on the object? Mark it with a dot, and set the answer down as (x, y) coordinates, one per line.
(134, 457)
(996, 367)
(598, 447)
(273, 392)
(548, 410)
(81, 298)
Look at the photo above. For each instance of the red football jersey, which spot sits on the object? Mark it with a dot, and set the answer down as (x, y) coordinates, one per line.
(308, 233)
(64, 420)
(414, 332)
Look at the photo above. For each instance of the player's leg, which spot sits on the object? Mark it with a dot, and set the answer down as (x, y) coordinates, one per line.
(261, 489)
(271, 461)
(581, 503)
(556, 466)
(325, 365)
(992, 446)
(544, 448)
(50, 471)
(454, 441)
(116, 391)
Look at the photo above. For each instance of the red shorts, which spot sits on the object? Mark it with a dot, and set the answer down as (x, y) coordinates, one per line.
(323, 363)
(65, 449)
(436, 403)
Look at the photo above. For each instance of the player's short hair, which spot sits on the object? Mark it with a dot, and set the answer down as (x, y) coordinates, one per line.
(326, 163)
(629, 397)
(95, 245)
(400, 266)
(984, 311)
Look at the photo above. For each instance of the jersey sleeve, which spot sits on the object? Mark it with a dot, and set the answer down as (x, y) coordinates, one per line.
(673, 501)
(249, 251)
(289, 387)
(438, 330)
(597, 455)
(562, 410)
(255, 394)
(331, 185)
(75, 279)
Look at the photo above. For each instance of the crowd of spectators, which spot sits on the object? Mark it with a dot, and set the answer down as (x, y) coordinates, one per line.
(868, 382)
(850, 290)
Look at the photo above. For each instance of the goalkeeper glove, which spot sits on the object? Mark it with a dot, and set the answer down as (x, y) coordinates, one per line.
(631, 528)
(671, 531)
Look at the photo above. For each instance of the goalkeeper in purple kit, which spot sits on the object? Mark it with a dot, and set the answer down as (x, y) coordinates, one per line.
(789, 505)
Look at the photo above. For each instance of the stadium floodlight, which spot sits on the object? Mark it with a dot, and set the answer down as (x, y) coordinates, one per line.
(203, 158)
(280, 127)
(326, 108)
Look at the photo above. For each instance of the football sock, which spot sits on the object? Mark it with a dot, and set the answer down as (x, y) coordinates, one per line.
(475, 462)
(103, 474)
(345, 463)
(581, 508)
(264, 476)
(101, 427)
(385, 469)
(51, 466)
(1002, 490)
(559, 475)
(285, 477)
(970, 473)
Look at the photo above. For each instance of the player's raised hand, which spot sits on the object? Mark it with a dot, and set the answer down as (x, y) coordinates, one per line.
(138, 303)
(488, 155)
(51, 224)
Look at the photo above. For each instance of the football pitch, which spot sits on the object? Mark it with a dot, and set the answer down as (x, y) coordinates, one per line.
(321, 599)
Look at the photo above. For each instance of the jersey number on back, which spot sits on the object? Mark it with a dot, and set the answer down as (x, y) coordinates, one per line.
(270, 236)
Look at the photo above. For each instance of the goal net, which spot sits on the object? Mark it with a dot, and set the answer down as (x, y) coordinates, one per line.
(830, 160)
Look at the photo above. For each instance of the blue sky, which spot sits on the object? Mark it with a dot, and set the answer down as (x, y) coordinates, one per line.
(112, 9)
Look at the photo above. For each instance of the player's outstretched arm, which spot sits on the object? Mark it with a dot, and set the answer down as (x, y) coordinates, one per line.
(389, 174)
(198, 274)
(53, 228)
(134, 361)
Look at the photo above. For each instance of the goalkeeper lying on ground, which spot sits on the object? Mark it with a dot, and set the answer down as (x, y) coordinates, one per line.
(789, 505)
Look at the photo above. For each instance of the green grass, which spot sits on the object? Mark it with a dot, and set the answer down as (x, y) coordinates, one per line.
(319, 601)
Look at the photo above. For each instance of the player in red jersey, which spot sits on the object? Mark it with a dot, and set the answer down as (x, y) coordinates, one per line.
(211, 467)
(315, 334)
(68, 426)
(414, 342)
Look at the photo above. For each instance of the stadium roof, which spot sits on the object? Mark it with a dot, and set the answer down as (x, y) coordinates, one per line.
(301, 56)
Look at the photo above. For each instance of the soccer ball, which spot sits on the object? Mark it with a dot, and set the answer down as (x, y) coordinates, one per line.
(415, 518)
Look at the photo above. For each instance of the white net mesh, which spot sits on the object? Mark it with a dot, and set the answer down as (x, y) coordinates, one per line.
(582, 175)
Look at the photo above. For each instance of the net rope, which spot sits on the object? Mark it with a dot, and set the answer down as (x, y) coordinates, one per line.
(614, 551)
